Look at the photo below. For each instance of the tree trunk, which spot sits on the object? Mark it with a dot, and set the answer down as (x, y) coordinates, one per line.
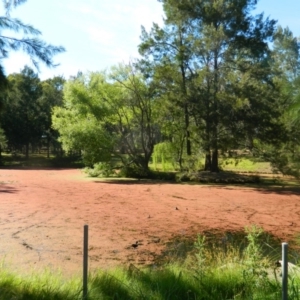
(187, 124)
(215, 161)
(27, 151)
(48, 147)
(184, 92)
(207, 165)
(180, 155)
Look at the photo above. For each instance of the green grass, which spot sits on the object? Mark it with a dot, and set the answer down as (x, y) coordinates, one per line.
(37, 287)
(244, 164)
(213, 269)
(239, 164)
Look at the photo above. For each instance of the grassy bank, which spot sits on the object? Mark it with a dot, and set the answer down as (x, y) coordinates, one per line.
(212, 270)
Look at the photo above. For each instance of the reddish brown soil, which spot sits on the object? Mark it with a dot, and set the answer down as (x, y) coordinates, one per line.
(42, 213)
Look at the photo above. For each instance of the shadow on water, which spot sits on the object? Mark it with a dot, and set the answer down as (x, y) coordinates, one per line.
(7, 189)
(260, 188)
(266, 189)
(133, 181)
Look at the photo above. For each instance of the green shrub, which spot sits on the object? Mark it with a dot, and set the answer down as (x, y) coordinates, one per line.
(133, 171)
(101, 169)
(165, 154)
(158, 175)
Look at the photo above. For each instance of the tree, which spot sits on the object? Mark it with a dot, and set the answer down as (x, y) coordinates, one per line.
(222, 43)
(136, 110)
(109, 116)
(37, 49)
(285, 157)
(22, 118)
(286, 62)
(171, 48)
(82, 120)
(3, 142)
(52, 95)
(10, 4)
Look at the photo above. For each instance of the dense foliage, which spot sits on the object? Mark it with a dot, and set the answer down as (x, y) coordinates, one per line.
(213, 80)
(22, 120)
(27, 107)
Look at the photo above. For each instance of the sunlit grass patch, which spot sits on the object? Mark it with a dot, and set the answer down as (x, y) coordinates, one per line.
(244, 164)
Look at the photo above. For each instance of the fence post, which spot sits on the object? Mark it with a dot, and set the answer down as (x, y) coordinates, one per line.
(85, 261)
(284, 271)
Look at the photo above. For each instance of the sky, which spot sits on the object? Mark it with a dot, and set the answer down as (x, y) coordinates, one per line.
(100, 34)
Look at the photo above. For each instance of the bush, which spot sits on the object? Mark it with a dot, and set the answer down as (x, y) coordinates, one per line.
(101, 169)
(133, 171)
(225, 177)
(168, 176)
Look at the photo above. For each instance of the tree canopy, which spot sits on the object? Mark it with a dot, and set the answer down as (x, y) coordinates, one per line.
(219, 54)
(215, 77)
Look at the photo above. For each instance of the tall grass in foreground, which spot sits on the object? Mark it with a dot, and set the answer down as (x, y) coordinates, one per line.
(216, 272)
(37, 287)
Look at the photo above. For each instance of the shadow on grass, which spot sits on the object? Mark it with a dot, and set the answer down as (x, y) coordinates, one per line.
(168, 282)
(39, 162)
(109, 287)
(180, 247)
(146, 284)
(281, 190)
